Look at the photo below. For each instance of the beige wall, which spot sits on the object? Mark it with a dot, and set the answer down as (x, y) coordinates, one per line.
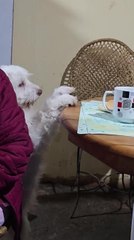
(47, 34)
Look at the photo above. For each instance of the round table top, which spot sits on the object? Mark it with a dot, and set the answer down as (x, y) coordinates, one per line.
(115, 151)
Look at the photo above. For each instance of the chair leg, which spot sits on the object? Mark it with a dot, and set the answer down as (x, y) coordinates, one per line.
(132, 224)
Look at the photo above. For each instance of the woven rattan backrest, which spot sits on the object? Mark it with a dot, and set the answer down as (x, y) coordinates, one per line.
(98, 66)
(66, 75)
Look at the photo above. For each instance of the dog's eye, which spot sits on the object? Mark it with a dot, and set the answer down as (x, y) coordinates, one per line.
(22, 84)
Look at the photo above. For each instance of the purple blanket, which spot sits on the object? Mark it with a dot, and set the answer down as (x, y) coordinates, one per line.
(15, 150)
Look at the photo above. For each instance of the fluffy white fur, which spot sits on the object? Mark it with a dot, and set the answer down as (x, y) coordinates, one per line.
(41, 124)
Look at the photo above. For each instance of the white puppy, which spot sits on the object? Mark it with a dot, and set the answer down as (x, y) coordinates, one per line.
(41, 123)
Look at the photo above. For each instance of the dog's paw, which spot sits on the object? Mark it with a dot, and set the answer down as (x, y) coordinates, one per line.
(63, 90)
(65, 100)
(60, 99)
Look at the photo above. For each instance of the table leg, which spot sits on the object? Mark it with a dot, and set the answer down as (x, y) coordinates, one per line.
(132, 224)
(79, 155)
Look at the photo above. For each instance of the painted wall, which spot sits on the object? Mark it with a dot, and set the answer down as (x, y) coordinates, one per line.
(6, 14)
(47, 35)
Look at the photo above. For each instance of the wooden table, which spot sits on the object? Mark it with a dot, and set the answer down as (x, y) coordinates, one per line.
(115, 151)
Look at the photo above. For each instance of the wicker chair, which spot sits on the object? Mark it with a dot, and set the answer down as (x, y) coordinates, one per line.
(99, 66)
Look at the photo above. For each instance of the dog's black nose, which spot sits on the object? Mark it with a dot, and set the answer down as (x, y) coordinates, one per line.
(39, 92)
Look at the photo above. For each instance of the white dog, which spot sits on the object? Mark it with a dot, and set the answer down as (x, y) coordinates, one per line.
(41, 124)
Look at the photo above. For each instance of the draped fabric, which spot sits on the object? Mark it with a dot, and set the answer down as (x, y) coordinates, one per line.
(15, 150)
